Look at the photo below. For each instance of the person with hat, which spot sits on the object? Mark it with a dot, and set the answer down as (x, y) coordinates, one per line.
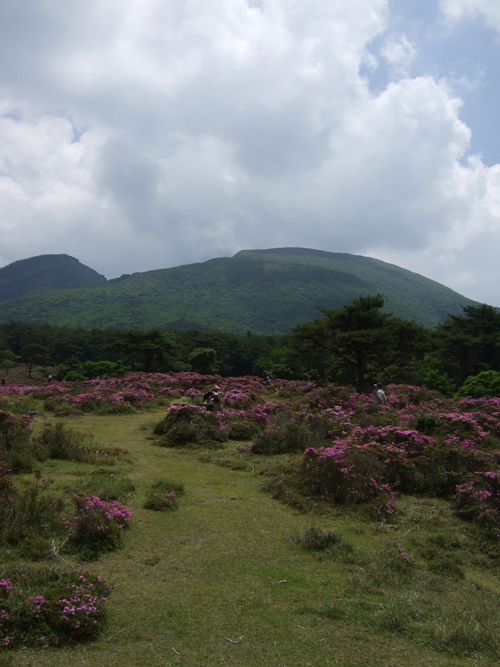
(217, 399)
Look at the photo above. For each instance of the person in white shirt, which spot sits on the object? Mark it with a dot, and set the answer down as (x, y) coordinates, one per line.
(380, 396)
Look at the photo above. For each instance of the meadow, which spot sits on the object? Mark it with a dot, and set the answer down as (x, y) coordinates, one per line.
(302, 526)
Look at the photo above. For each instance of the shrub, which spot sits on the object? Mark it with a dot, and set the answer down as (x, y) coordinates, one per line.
(28, 516)
(478, 500)
(485, 384)
(50, 606)
(97, 527)
(189, 424)
(16, 450)
(163, 495)
(281, 438)
(57, 441)
(316, 539)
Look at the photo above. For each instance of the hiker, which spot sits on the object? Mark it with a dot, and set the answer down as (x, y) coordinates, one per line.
(266, 378)
(49, 378)
(208, 401)
(217, 399)
(380, 396)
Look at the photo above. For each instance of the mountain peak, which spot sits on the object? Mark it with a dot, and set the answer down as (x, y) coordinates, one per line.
(45, 272)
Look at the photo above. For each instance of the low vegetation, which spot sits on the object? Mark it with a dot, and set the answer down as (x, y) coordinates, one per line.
(311, 526)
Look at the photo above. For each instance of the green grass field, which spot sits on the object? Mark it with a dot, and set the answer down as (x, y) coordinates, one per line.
(223, 579)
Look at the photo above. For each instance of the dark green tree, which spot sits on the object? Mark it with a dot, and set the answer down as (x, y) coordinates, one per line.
(203, 360)
(152, 350)
(35, 354)
(359, 343)
(470, 343)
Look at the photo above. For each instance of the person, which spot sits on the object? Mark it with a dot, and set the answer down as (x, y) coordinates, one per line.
(217, 399)
(208, 401)
(49, 378)
(380, 396)
(266, 378)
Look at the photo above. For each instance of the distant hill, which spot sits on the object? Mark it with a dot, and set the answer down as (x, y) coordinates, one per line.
(263, 291)
(45, 272)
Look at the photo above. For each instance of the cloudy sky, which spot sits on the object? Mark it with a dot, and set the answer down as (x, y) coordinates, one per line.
(145, 134)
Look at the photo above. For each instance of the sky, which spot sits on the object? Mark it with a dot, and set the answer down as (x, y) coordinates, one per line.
(143, 134)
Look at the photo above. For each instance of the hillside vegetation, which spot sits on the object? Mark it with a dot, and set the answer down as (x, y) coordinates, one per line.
(305, 525)
(45, 272)
(263, 291)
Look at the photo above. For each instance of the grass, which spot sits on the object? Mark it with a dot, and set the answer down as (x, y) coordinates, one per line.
(223, 581)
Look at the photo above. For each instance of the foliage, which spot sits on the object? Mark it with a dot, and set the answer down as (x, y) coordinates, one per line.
(203, 360)
(105, 484)
(469, 344)
(16, 450)
(97, 526)
(57, 441)
(187, 424)
(359, 342)
(316, 539)
(162, 495)
(485, 384)
(267, 292)
(50, 606)
(424, 574)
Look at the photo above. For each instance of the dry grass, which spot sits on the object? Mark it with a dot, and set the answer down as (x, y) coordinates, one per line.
(223, 567)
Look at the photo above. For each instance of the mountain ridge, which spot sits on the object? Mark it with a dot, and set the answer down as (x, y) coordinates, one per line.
(263, 291)
(45, 272)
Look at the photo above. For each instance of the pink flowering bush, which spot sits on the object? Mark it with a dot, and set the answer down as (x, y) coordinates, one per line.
(97, 527)
(50, 606)
(478, 500)
(188, 424)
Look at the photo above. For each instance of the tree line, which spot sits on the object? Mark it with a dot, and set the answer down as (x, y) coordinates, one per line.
(358, 344)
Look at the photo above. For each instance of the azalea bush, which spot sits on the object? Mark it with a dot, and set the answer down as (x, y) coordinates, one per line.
(97, 526)
(346, 449)
(50, 606)
(188, 424)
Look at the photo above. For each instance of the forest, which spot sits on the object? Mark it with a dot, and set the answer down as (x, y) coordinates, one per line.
(358, 345)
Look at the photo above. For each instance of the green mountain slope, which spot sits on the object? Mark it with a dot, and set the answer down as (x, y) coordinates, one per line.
(45, 272)
(264, 291)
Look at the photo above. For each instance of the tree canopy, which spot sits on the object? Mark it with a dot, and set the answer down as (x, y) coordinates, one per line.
(359, 342)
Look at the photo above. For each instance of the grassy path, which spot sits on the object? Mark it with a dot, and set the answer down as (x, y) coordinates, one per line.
(218, 582)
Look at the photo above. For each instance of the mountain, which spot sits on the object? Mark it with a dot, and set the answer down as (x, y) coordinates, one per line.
(45, 272)
(263, 291)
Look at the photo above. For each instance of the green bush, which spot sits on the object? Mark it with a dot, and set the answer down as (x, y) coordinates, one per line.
(483, 385)
(316, 539)
(57, 441)
(282, 438)
(29, 514)
(163, 495)
(16, 450)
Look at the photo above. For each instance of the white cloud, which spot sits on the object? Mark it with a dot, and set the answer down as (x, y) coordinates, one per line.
(457, 10)
(399, 53)
(154, 133)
